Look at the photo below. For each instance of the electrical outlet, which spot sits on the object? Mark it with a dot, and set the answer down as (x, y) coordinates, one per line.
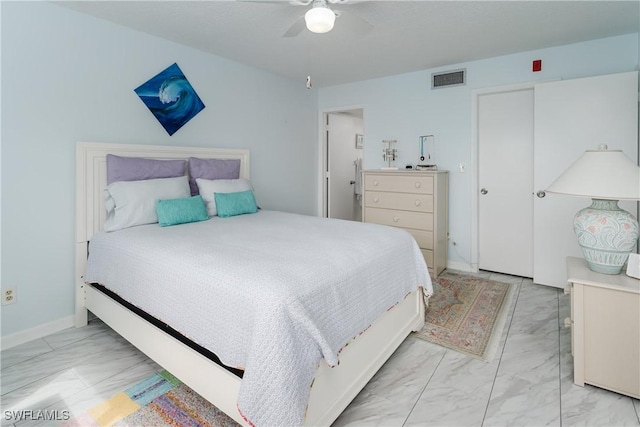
(8, 296)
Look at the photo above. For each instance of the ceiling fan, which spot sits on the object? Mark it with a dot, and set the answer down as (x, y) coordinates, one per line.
(320, 18)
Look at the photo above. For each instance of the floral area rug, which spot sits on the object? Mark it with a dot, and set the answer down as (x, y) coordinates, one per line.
(160, 400)
(467, 314)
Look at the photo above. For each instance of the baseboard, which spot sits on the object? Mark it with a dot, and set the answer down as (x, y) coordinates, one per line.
(461, 266)
(37, 332)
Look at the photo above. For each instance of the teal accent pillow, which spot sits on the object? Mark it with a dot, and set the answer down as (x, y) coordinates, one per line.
(181, 211)
(232, 204)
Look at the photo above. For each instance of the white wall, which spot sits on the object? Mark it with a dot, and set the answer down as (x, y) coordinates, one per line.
(343, 153)
(403, 107)
(69, 77)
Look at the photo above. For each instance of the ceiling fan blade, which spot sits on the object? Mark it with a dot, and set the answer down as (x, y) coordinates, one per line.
(296, 28)
(292, 2)
(345, 1)
(354, 22)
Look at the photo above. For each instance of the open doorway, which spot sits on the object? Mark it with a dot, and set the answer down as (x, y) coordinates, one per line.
(343, 155)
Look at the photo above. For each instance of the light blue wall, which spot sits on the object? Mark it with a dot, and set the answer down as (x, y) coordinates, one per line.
(68, 77)
(404, 107)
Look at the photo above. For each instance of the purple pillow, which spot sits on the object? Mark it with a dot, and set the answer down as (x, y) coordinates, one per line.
(138, 168)
(212, 169)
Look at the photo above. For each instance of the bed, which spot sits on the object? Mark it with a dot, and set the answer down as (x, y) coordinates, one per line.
(344, 366)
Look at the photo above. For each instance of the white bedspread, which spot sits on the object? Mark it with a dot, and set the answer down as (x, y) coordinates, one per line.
(270, 292)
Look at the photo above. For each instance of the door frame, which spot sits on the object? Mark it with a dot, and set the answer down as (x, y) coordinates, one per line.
(323, 159)
(475, 184)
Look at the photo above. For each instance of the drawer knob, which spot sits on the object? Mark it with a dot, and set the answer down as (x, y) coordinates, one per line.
(567, 322)
(375, 199)
(375, 183)
(418, 202)
(396, 219)
(418, 184)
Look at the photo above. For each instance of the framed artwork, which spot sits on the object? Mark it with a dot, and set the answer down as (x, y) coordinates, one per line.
(170, 98)
(359, 140)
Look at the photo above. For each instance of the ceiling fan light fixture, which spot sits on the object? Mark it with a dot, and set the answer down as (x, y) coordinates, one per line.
(320, 19)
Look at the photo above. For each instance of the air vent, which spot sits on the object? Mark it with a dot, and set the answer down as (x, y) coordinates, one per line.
(448, 79)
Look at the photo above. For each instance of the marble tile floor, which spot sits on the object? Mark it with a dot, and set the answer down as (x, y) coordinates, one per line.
(529, 382)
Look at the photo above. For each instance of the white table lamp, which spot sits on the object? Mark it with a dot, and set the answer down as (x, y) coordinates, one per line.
(606, 234)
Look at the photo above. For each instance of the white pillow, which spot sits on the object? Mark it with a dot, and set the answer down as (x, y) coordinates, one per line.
(132, 203)
(206, 188)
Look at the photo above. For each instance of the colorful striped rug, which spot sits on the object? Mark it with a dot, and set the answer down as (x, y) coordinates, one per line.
(160, 400)
(467, 314)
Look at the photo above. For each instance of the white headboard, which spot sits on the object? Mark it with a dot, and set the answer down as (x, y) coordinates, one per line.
(91, 180)
(91, 175)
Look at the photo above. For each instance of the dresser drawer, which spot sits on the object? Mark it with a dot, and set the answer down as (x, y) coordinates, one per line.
(402, 201)
(428, 257)
(404, 219)
(399, 183)
(423, 238)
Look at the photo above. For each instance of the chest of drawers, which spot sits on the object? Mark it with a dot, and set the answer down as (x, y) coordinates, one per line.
(415, 201)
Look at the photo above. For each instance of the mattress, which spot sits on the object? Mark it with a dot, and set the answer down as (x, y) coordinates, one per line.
(271, 293)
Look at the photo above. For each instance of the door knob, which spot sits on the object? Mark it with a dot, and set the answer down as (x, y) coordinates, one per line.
(483, 191)
(541, 194)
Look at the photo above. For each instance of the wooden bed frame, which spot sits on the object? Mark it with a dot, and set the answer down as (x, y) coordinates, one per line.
(333, 388)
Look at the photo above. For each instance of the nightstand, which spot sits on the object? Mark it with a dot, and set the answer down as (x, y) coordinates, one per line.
(605, 328)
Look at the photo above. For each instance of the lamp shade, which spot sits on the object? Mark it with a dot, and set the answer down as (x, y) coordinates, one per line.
(600, 174)
(320, 19)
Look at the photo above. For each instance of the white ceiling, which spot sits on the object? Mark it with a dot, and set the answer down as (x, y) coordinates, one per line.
(406, 35)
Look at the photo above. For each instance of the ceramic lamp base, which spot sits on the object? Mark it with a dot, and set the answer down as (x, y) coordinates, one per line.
(606, 234)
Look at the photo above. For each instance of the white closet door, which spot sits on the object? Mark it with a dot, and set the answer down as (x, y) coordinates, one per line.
(572, 116)
(505, 177)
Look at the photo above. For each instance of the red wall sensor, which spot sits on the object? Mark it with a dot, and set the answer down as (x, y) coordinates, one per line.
(537, 65)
